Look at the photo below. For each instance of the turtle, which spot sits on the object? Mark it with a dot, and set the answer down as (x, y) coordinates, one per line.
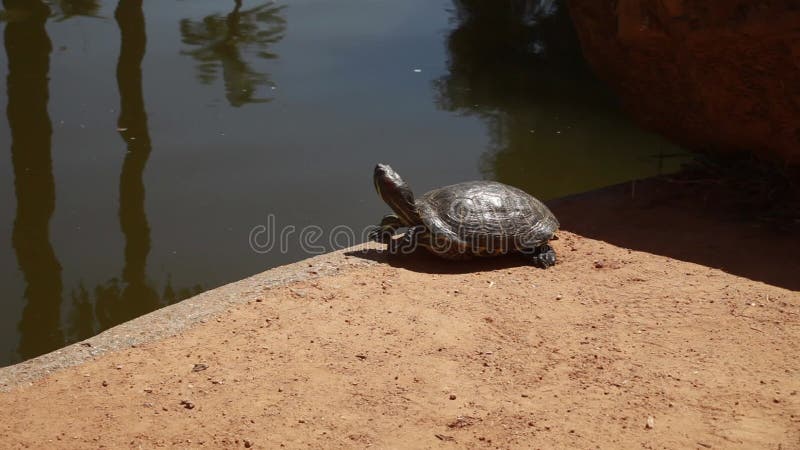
(465, 220)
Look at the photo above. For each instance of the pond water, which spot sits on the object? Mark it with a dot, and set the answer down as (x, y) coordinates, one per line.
(145, 140)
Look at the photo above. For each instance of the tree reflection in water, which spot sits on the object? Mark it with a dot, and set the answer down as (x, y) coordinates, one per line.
(508, 52)
(132, 295)
(119, 302)
(518, 65)
(28, 49)
(220, 43)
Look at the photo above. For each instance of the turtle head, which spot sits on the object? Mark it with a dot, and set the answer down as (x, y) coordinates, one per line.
(396, 193)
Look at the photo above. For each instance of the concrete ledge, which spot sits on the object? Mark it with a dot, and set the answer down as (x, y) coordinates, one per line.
(173, 319)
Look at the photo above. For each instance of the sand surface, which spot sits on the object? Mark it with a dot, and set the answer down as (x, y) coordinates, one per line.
(612, 348)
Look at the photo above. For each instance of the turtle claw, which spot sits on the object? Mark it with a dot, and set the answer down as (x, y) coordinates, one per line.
(384, 232)
(380, 235)
(408, 243)
(543, 257)
(374, 235)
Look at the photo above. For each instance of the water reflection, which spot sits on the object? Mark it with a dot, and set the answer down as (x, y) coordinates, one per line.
(517, 64)
(509, 65)
(218, 43)
(67, 9)
(28, 51)
(132, 295)
(117, 303)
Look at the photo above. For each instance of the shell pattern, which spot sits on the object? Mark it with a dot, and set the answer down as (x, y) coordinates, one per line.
(486, 218)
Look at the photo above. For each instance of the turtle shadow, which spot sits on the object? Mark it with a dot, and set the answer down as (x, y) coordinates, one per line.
(423, 261)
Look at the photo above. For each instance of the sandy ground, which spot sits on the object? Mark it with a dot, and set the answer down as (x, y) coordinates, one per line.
(612, 348)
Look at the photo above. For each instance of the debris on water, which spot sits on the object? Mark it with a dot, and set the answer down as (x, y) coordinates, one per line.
(122, 129)
(417, 70)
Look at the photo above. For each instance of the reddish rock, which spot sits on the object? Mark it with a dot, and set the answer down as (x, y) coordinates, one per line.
(718, 75)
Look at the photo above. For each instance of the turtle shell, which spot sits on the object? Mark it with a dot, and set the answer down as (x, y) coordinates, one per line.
(486, 218)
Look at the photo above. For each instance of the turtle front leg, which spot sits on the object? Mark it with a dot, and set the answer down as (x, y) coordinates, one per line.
(543, 256)
(386, 229)
(408, 243)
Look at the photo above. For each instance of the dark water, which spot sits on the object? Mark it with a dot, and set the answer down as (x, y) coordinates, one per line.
(145, 140)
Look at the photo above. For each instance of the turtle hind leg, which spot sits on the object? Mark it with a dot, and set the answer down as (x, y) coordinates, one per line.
(542, 256)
